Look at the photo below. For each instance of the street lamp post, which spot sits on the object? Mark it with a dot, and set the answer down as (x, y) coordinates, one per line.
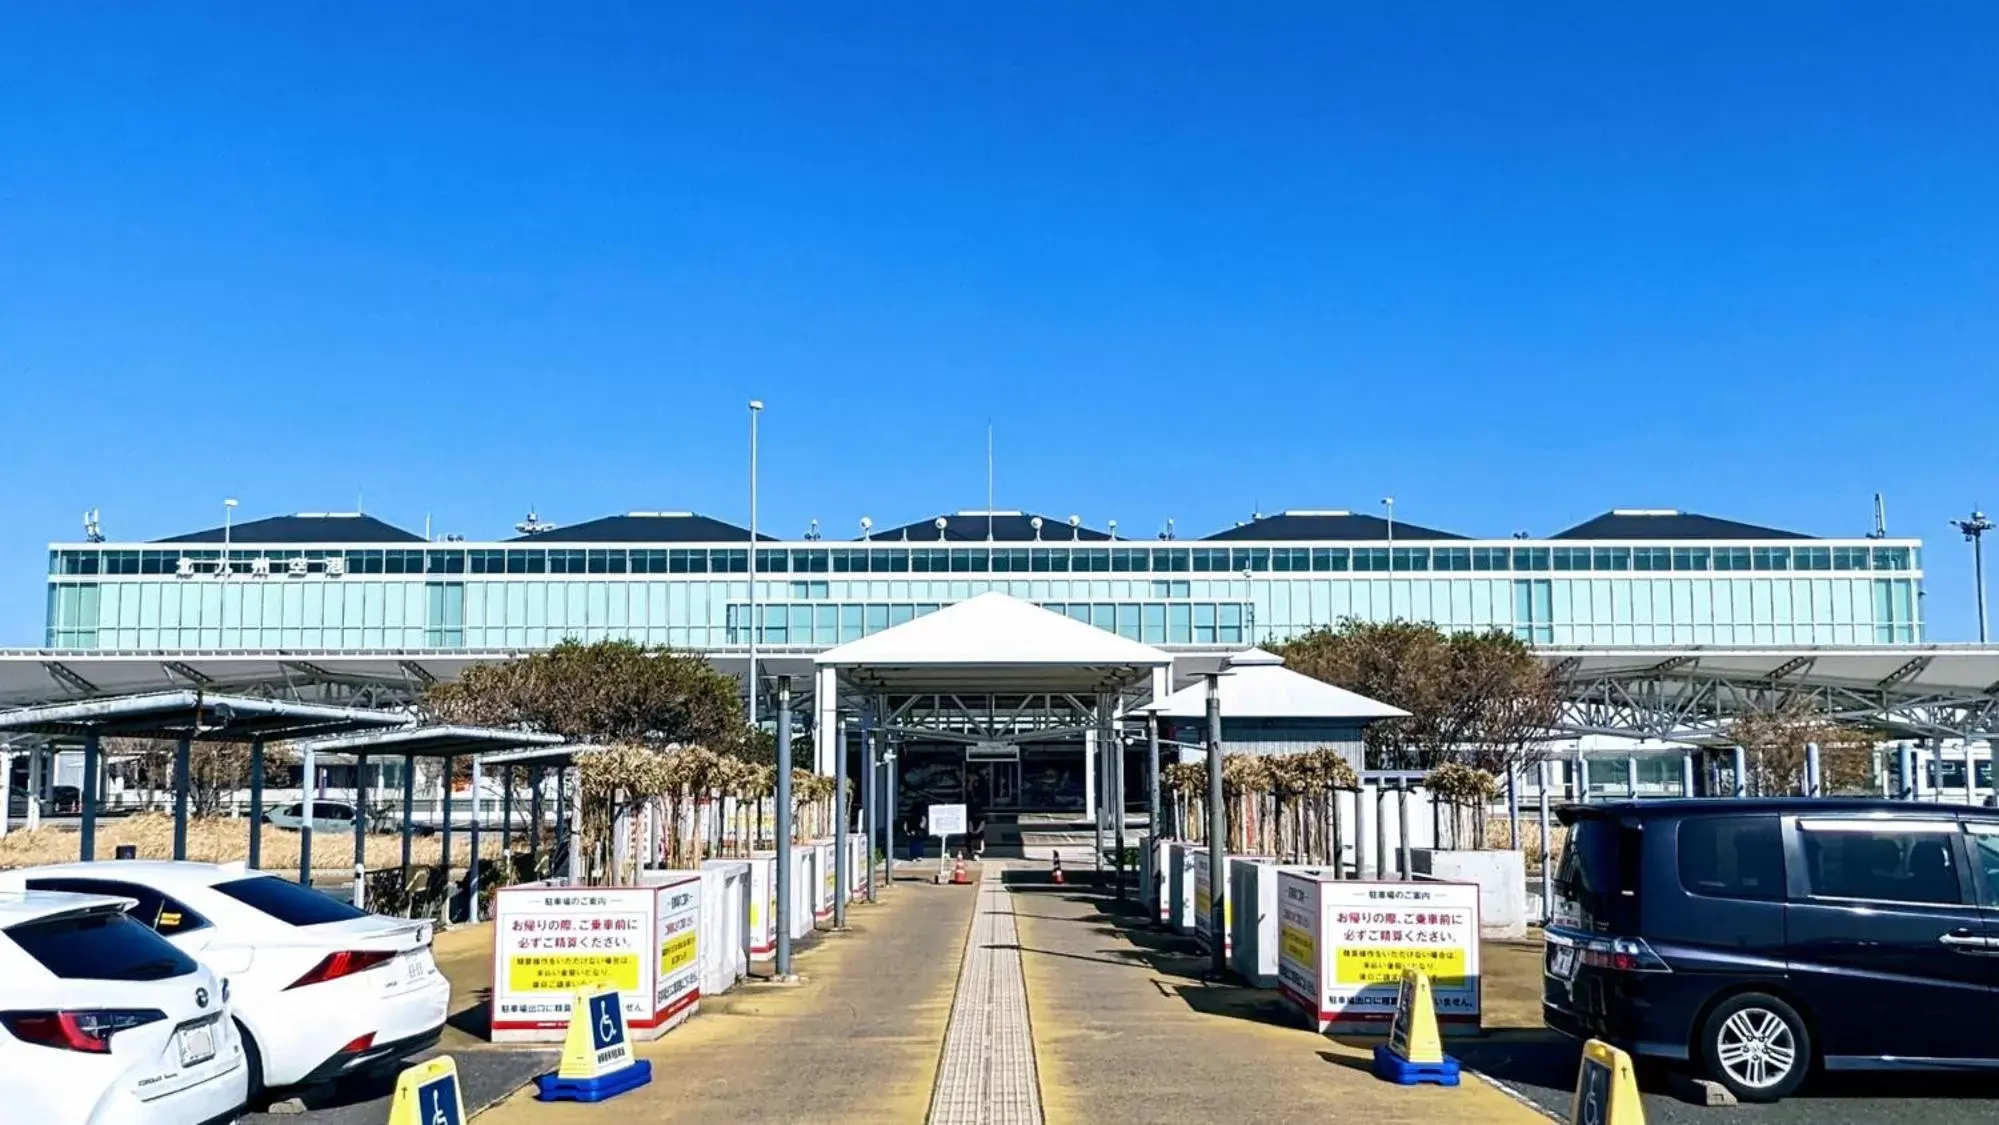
(1974, 533)
(1388, 502)
(750, 678)
(228, 528)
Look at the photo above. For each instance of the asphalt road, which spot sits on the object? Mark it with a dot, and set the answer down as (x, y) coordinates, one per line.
(1544, 1069)
(484, 1077)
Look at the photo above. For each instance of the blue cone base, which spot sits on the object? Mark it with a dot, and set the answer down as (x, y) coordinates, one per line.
(549, 1088)
(1391, 1067)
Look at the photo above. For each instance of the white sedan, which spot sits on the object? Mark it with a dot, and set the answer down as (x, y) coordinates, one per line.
(322, 990)
(106, 1024)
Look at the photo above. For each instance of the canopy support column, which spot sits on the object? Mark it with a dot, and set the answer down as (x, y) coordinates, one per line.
(843, 876)
(1218, 842)
(256, 804)
(870, 803)
(444, 799)
(783, 880)
(87, 844)
(182, 753)
(361, 831)
(472, 865)
(536, 775)
(306, 777)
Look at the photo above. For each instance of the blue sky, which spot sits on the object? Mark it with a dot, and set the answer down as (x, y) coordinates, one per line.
(1512, 264)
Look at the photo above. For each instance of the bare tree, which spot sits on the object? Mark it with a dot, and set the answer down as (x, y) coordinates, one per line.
(1482, 699)
(1774, 741)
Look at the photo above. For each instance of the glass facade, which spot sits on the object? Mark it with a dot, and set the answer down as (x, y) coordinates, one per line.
(812, 595)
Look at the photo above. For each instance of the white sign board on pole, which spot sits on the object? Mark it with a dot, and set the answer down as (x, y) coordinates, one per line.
(947, 820)
(550, 941)
(1342, 946)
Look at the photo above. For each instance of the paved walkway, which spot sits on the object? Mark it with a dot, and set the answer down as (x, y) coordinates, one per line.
(1126, 1030)
(856, 1040)
(986, 1075)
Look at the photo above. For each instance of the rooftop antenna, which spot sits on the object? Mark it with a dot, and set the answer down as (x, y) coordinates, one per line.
(534, 524)
(1880, 518)
(812, 532)
(92, 532)
(989, 480)
(867, 528)
(426, 528)
(1168, 533)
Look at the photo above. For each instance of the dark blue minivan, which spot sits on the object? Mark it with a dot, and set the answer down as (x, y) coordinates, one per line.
(1758, 939)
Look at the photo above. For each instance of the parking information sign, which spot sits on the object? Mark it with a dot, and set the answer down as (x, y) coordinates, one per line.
(1343, 946)
(552, 942)
(947, 820)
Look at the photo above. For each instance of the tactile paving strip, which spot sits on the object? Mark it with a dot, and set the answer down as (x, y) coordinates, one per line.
(987, 1076)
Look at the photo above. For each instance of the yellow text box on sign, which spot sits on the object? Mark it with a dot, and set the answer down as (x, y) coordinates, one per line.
(1384, 964)
(677, 953)
(568, 972)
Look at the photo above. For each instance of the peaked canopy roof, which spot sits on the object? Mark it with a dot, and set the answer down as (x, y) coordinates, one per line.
(993, 643)
(1261, 687)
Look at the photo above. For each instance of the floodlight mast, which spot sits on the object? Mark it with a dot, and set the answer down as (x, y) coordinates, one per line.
(1974, 530)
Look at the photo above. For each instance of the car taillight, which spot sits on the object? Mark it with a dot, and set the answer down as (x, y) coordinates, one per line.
(1623, 955)
(359, 1044)
(88, 1030)
(345, 963)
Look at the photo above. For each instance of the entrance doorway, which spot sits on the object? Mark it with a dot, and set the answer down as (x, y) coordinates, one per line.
(992, 784)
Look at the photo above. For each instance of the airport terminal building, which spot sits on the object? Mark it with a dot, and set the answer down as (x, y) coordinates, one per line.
(352, 583)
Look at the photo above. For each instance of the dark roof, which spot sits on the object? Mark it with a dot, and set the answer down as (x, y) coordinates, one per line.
(1329, 526)
(646, 527)
(309, 527)
(1665, 523)
(1004, 527)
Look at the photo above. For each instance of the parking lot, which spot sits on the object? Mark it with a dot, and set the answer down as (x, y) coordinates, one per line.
(1540, 1065)
(1543, 1069)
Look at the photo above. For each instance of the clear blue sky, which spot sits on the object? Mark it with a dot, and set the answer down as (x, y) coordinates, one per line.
(1513, 264)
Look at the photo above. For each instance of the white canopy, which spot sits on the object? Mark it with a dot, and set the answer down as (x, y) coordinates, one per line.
(993, 643)
(1259, 686)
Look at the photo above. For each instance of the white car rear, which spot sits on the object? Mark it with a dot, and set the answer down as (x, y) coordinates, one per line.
(322, 990)
(104, 1023)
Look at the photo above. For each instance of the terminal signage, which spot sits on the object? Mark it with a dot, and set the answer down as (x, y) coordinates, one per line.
(1344, 946)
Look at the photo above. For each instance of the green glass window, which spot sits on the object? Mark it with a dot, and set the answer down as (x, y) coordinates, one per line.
(1770, 558)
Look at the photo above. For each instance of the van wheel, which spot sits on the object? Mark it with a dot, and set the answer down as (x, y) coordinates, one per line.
(1757, 1046)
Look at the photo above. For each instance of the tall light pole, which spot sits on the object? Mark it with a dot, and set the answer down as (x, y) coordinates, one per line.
(1974, 533)
(228, 527)
(756, 408)
(1249, 601)
(1388, 502)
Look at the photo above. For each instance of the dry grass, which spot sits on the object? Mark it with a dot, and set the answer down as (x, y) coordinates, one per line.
(1530, 838)
(215, 841)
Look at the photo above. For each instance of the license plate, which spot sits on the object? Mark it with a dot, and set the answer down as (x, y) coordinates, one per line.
(1562, 961)
(197, 1044)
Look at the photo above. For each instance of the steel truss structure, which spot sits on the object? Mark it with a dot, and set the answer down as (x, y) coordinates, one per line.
(1695, 695)
(1686, 693)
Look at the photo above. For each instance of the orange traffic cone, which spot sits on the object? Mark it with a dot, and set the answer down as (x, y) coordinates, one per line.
(958, 875)
(1056, 871)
